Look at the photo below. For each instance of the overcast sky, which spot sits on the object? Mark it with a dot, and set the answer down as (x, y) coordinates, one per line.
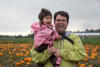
(16, 16)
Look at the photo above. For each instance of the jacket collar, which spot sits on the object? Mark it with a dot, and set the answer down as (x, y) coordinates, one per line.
(66, 33)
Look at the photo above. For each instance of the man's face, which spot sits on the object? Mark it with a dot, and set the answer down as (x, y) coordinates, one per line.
(61, 23)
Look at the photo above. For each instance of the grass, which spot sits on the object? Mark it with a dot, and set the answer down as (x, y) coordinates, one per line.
(16, 40)
(93, 41)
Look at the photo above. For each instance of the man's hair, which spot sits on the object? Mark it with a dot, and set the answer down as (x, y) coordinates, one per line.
(62, 13)
(44, 12)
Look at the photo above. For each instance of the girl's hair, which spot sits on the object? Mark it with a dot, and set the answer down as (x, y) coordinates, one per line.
(44, 12)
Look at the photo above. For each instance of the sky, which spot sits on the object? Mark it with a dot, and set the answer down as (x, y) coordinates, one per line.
(16, 16)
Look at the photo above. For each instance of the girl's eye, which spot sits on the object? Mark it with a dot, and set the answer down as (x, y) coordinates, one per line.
(48, 18)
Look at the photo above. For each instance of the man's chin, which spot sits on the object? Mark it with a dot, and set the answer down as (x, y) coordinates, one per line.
(60, 30)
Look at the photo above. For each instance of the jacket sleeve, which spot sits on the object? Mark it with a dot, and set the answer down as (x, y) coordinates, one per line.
(40, 57)
(40, 37)
(76, 54)
(55, 34)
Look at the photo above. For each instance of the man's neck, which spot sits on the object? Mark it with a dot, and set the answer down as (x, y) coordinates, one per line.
(61, 33)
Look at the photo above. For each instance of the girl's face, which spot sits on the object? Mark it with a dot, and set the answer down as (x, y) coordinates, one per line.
(47, 21)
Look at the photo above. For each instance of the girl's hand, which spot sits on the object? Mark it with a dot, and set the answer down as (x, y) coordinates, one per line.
(59, 37)
(35, 46)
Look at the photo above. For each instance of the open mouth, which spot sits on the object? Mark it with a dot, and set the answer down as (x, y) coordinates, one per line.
(48, 23)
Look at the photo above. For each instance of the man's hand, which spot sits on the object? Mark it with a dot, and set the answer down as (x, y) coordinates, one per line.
(57, 53)
(54, 51)
(59, 37)
(51, 50)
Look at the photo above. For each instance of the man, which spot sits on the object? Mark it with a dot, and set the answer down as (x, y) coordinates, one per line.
(69, 48)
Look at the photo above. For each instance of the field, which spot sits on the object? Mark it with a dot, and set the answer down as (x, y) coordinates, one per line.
(15, 52)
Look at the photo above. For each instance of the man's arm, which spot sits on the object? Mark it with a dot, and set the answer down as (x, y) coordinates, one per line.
(40, 57)
(74, 55)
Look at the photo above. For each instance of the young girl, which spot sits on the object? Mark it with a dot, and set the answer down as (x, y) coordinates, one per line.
(44, 33)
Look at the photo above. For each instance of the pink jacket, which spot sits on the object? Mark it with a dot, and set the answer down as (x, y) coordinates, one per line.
(43, 34)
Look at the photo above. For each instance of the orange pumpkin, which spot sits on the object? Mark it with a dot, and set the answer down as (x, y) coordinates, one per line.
(1, 54)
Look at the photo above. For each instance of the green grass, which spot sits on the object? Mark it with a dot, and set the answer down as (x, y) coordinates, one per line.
(93, 41)
(16, 40)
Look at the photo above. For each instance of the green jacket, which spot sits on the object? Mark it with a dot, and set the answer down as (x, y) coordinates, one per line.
(70, 53)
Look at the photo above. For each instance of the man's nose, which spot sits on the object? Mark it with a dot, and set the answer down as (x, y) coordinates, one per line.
(60, 21)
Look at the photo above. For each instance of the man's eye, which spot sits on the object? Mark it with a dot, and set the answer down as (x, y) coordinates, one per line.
(60, 20)
(63, 20)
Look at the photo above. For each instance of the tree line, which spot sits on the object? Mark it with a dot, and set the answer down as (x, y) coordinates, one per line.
(18, 36)
(32, 35)
(89, 31)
